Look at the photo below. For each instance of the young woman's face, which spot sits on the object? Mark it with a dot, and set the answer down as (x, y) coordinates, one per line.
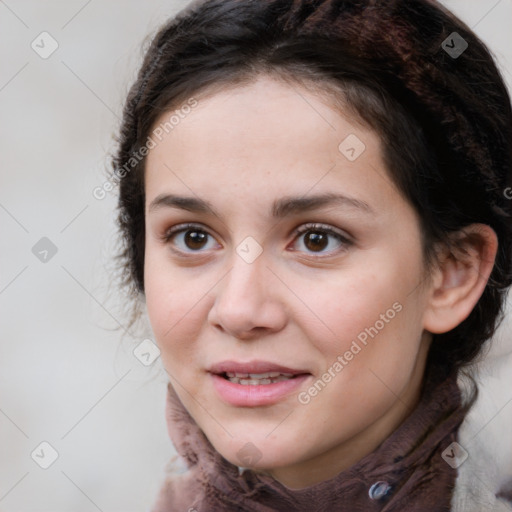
(235, 288)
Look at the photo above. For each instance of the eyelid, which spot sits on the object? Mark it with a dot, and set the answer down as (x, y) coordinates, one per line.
(182, 227)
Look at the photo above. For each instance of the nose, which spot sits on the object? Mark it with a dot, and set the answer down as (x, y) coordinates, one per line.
(247, 303)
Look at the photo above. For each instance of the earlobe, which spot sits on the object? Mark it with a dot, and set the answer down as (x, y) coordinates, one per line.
(460, 278)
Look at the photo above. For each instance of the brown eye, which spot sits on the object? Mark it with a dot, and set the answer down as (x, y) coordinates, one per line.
(316, 241)
(317, 237)
(188, 238)
(195, 239)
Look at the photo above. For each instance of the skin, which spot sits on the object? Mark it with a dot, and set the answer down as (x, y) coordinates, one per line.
(297, 304)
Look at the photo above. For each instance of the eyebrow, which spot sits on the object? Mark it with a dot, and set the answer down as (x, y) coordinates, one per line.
(280, 208)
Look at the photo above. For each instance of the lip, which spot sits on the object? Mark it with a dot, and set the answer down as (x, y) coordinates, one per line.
(241, 395)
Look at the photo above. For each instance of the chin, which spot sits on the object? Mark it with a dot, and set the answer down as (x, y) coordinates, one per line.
(257, 456)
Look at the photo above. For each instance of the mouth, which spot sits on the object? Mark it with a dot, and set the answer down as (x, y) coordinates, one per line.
(257, 379)
(255, 372)
(255, 383)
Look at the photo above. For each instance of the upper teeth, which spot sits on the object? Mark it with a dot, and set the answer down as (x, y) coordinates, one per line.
(257, 379)
(267, 375)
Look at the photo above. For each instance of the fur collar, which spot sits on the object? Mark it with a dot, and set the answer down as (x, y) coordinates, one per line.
(484, 480)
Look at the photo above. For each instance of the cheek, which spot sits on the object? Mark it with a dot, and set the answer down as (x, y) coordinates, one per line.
(347, 304)
(371, 359)
(370, 318)
(174, 305)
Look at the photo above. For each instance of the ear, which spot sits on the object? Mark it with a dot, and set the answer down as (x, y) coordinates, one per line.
(460, 278)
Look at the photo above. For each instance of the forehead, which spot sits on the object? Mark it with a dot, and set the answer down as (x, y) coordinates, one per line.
(265, 139)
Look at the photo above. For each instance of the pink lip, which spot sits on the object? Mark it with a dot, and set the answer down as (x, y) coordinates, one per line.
(250, 396)
(241, 395)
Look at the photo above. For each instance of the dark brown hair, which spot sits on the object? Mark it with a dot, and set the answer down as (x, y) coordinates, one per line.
(445, 119)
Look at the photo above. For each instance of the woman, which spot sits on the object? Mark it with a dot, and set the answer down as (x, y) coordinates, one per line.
(313, 207)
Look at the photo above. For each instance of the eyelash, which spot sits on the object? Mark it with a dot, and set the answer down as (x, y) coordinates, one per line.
(312, 227)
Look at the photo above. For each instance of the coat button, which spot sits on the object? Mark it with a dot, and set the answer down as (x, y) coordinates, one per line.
(378, 490)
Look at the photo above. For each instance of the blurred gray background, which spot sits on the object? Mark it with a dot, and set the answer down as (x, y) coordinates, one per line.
(68, 374)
